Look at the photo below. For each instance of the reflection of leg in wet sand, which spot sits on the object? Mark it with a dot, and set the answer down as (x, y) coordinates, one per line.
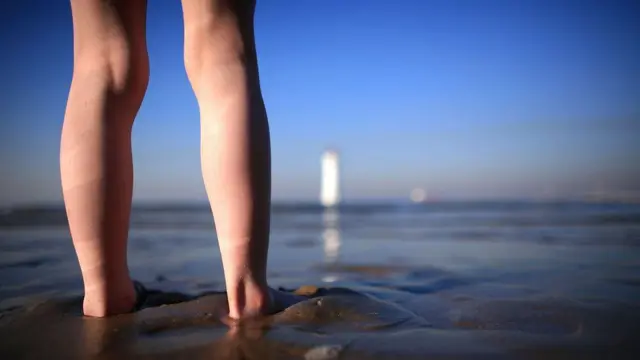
(106, 338)
(110, 77)
(331, 238)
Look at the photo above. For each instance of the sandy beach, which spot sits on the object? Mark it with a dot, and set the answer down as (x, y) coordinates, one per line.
(336, 323)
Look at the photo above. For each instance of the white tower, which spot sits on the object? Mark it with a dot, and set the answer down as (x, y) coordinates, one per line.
(330, 190)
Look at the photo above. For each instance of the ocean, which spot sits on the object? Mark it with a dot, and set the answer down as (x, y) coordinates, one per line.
(564, 276)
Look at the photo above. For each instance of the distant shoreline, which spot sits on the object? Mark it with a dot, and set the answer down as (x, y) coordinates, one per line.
(199, 205)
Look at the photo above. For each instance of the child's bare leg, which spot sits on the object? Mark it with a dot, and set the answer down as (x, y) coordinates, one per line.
(221, 63)
(110, 77)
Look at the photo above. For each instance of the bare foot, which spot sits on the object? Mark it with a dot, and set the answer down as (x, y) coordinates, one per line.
(251, 301)
(248, 299)
(102, 302)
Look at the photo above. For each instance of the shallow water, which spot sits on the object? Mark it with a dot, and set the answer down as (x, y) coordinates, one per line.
(451, 280)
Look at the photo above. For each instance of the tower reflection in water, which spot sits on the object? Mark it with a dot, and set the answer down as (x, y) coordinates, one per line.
(331, 239)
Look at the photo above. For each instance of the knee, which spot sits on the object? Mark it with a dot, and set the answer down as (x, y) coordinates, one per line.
(117, 67)
(203, 56)
(218, 39)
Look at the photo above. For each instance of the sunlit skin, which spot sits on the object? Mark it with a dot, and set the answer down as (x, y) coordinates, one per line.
(111, 73)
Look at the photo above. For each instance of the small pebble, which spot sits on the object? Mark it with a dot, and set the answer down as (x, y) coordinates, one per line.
(306, 290)
(323, 352)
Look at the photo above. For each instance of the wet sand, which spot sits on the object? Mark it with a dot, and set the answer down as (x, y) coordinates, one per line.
(335, 323)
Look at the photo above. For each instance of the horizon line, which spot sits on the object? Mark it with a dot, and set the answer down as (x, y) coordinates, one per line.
(353, 201)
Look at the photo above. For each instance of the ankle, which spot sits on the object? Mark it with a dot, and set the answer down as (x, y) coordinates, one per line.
(248, 298)
(103, 301)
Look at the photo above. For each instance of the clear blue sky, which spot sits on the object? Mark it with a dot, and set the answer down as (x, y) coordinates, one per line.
(466, 98)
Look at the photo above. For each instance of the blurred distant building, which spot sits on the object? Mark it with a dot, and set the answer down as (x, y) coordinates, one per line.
(330, 186)
(418, 195)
